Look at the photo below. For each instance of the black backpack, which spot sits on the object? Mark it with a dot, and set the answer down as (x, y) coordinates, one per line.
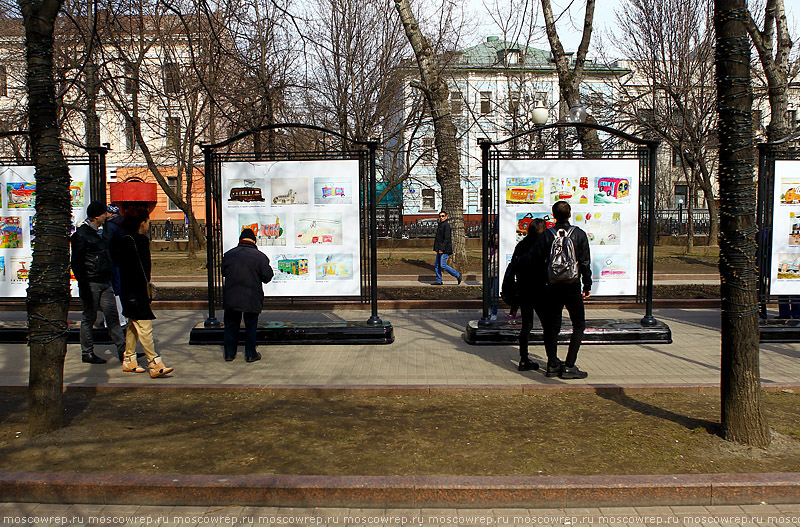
(562, 265)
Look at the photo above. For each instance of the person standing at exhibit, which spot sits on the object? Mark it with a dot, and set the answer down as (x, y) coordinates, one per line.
(443, 247)
(569, 290)
(92, 266)
(132, 251)
(244, 270)
(529, 283)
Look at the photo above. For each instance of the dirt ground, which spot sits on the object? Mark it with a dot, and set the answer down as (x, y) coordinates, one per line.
(259, 432)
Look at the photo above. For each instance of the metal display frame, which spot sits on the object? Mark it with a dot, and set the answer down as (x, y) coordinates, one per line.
(366, 156)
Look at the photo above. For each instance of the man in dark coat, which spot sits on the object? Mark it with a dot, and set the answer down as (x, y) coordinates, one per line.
(443, 247)
(560, 295)
(112, 231)
(244, 269)
(92, 266)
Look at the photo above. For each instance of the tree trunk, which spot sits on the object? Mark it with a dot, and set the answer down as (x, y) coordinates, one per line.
(437, 95)
(48, 292)
(742, 417)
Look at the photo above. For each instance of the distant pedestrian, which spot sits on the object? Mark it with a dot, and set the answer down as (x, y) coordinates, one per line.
(443, 247)
(529, 282)
(168, 230)
(132, 251)
(93, 269)
(244, 269)
(569, 282)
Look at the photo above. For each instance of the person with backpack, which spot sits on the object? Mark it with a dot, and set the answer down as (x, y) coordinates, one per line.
(523, 286)
(564, 251)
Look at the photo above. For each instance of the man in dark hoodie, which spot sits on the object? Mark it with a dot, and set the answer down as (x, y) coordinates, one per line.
(443, 247)
(244, 269)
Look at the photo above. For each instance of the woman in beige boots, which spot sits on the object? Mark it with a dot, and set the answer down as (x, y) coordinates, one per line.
(132, 253)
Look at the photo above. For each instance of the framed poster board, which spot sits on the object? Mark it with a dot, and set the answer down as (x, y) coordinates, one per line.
(604, 197)
(306, 218)
(785, 267)
(18, 216)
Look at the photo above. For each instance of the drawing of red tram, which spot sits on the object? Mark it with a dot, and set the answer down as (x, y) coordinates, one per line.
(613, 187)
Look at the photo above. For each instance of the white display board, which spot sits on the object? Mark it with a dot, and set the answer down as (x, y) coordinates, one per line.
(604, 196)
(785, 269)
(17, 217)
(306, 218)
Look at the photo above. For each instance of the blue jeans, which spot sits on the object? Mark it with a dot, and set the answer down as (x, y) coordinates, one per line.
(441, 263)
(232, 320)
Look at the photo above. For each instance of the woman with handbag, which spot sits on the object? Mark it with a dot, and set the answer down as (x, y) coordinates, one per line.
(133, 254)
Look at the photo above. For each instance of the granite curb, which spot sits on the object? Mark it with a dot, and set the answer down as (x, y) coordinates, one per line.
(401, 491)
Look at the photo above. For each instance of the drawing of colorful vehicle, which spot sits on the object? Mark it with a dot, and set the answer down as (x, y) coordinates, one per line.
(332, 192)
(253, 227)
(295, 266)
(613, 187)
(285, 199)
(525, 222)
(22, 273)
(521, 195)
(246, 194)
(792, 195)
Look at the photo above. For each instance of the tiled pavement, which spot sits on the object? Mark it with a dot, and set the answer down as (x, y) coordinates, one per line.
(785, 515)
(429, 350)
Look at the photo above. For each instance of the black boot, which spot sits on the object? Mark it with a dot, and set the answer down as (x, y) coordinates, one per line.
(526, 364)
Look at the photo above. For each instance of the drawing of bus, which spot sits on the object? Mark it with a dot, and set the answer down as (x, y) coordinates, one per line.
(613, 187)
(246, 194)
(332, 192)
(295, 266)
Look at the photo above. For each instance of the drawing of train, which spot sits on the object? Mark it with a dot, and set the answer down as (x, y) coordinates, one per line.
(246, 194)
(332, 192)
(295, 266)
(613, 187)
(285, 199)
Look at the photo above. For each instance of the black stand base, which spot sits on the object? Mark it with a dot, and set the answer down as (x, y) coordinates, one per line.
(303, 333)
(16, 332)
(779, 330)
(607, 331)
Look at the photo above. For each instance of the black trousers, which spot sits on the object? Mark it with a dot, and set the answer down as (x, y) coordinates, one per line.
(557, 297)
(233, 320)
(527, 311)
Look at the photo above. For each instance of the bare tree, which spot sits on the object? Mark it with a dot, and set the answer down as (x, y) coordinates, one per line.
(672, 95)
(774, 44)
(48, 292)
(433, 86)
(743, 419)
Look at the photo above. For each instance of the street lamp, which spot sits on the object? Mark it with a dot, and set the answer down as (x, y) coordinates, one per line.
(577, 113)
(540, 114)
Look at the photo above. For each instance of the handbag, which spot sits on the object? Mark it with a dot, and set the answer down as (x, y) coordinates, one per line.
(150, 286)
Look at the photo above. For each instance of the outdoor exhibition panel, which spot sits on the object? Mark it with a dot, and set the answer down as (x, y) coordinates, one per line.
(604, 197)
(306, 216)
(785, 256)
(18, 216)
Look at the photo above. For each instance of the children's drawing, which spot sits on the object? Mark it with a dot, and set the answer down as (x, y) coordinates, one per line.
(289, 191)
(270, 229)
(524, 220)
(334, 267)
(18, 268)
(788, 266)
(76, 193)
(611, 266)
(790, 190)
(321, 228)
(794, 226)
(246, 190)
(21, 195)
(524, 190)
(612, 190)
(337, 191)
(10, 232)
(290, 267)
(572, 189)
(602, 228)
(2, 268)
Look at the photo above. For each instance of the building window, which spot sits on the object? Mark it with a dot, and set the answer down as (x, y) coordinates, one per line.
(131, 79)
(173, 132)
(427, 150)
(172, 182)
(3, 81)
(681, 195)
(428, 199)
(456, 103)
(486, 102)
(513, 103)
(130, 136)
(791, 119)
(172, 81)
(646, 116)
(677, 160)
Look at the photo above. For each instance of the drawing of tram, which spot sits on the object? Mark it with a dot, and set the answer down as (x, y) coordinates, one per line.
(295, 266)
(332, 192)
(521, 195)
(613, 187)
(246, 194)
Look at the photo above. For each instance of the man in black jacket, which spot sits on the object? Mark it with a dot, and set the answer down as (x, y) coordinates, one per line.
(560, 295)
(443, 246)
(244, 269)
(92, 267)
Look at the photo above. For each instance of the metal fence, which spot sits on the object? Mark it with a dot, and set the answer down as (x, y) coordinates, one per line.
(675, 222)
(159, 231)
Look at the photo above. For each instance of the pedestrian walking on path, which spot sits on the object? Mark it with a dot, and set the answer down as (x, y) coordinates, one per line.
(443, 247)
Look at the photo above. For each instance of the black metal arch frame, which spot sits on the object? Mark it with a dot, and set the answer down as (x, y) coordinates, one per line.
(768, 153)
(213, 161)
(649, 145)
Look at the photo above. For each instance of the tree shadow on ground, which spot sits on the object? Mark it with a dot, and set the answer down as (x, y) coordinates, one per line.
(644, 408)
